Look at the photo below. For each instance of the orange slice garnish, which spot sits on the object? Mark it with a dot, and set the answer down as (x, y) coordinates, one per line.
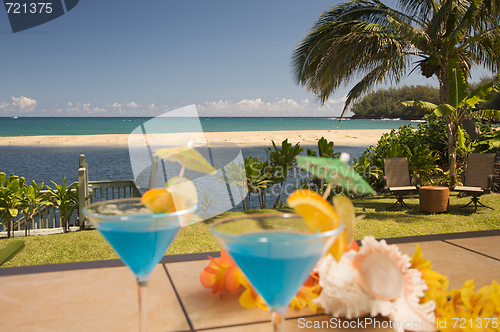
(158, 200)
(318, 214)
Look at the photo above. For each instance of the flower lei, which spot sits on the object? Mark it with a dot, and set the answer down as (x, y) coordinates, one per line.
(455, 310)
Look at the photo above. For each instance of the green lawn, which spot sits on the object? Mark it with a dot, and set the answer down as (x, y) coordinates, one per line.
(89, 245)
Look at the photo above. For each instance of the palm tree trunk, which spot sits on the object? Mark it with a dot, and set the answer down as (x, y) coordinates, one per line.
(452, 145)
(248, 199)
(242, 198)
(279, 196)
(444, 85)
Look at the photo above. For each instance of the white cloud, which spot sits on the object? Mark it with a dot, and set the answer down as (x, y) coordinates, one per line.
(115, 105)
(152, 107)
(78, 109)
(251, 104)
(132, 104)
(278, 107)
(21, 104)
(99, 110)
(24, 103)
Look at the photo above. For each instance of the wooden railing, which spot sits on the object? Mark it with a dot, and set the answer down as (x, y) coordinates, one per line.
(47, 217)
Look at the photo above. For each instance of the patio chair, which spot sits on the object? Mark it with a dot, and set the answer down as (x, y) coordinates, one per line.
(478, 178)
(397, 179)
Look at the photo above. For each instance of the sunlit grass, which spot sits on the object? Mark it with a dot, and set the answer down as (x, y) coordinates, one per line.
(90, 246)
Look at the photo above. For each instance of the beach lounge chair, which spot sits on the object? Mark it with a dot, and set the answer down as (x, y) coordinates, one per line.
(397, 179)
(478, 178)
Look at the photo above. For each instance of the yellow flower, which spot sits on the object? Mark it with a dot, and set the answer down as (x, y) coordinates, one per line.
(307, 293)
(464, 310)
(432, 278)
(250, 299)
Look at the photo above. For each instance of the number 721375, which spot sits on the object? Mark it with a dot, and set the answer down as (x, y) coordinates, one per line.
(31, 8)
(462, 323)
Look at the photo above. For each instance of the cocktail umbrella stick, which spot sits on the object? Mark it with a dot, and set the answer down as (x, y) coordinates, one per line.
(328, 189)
(183, 168)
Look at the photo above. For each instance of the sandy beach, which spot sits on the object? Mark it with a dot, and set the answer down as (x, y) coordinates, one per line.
(243, 138)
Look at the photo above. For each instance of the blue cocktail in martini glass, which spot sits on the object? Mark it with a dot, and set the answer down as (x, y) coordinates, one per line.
(139, 236)
(275, 252)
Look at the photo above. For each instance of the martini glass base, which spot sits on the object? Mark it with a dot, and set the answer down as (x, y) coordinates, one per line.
(278, 319)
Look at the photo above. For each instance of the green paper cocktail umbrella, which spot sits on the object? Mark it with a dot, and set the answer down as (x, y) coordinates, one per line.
(335, 172)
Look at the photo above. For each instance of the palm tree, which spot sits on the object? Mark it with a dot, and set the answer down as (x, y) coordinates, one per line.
(31, 201)
(367, 38)
(66, 201)
(10, 199)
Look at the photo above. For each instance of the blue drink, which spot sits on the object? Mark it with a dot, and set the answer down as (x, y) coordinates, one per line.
(139, 245)
(276, 271)
(276, 252)
(139, 236)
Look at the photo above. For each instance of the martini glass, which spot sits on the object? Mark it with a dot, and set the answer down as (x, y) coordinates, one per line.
(276, 252)
(139, 236)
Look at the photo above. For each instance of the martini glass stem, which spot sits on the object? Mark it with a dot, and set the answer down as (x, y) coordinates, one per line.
(278, 319)
(143, 313)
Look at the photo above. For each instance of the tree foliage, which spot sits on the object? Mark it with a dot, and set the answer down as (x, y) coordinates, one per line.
(380, 44)
(386, 103)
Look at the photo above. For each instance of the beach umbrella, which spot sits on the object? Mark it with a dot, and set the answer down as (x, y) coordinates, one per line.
(188, 157)
(335, 172)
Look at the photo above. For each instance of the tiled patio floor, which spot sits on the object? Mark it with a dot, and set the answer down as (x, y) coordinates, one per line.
(102, 296)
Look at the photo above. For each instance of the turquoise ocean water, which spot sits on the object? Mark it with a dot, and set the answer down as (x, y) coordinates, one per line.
(53, 163)
(34, 126)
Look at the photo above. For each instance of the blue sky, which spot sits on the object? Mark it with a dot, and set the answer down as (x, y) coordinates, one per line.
(143, 58)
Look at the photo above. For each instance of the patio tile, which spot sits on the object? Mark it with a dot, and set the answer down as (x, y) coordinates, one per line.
(458, 264)
(87, 300)
(207, 310)
(315, 323)
(488, 245)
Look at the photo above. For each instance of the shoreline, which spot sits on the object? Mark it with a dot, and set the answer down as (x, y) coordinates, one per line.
(362, 137)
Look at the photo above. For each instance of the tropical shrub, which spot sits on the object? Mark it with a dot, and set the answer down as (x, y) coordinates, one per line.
(31, 201)
(325, 149)
(283, 159)
(488, 142)
(370, 172)
(426, 148)
(66, 201)
(258, 179)
(234, 174)
(206, 203)
(10, 199)
(422, 161)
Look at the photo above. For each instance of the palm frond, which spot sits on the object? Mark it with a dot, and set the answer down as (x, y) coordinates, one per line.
(365, 38)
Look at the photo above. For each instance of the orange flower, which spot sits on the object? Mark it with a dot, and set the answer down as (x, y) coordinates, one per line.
(221, 273)
(307, 293)
(354, 246)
